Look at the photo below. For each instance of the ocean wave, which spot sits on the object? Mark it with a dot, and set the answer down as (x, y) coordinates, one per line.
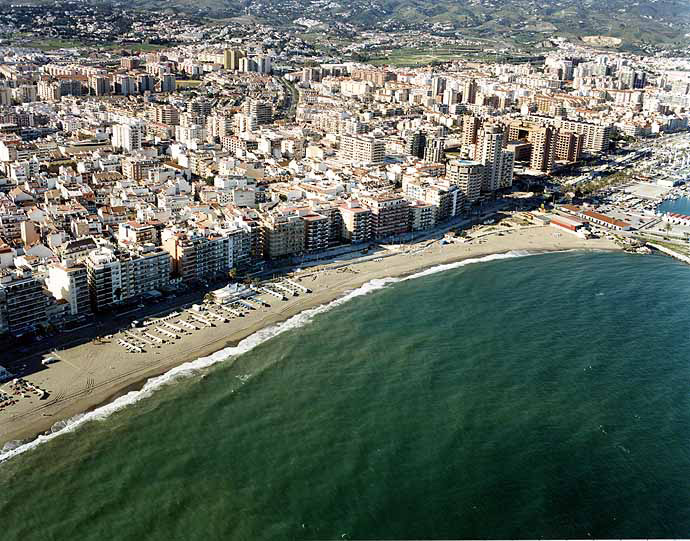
(470, 261)
(16, 448)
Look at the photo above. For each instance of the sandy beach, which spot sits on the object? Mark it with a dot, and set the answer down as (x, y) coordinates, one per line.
(95, 372)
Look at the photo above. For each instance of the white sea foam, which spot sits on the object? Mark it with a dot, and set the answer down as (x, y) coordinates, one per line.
(13, 449)
(465, 262)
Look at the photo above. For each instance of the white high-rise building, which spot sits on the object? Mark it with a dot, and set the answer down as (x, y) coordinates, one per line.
(190, 134)
(5, 96)
(116, 277)
(125, 85)
(69, 283)
(220, 125)
(362, 149)
(263, 64)
(434, 151)
(261, 109)
(128, 137)
(467, 176)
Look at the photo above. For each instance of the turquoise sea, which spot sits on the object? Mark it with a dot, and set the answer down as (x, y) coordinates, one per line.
(680, 206)
(540, 396)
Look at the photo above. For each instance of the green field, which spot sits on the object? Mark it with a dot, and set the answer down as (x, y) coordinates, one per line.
(420, 57)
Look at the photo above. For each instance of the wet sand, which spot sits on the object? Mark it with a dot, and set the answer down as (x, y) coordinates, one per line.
(93, 373)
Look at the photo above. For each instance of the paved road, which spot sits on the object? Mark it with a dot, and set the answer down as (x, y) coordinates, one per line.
(293, 98)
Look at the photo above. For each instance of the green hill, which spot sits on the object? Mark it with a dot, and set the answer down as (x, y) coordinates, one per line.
(651, 21)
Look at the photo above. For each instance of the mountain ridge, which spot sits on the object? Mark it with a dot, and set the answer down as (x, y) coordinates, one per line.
(651, 21)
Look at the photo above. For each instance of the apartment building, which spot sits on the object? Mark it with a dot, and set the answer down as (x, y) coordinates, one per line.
(467, 176)
(434, 150)
(23, 303)
(261, 110)
(166, 114)
(316, 232)
(69, 282)
(48, 90)
(356, 222)
(470, 130)
(231, 59)
(11, 219)
(128, 137)
(362, 149)
(132, 232)
(568, 146)
(335, 222)
(168, 82)
(596, 137)
(377, 76)
(446, 199)
(489, 152)
(389, 213)
(505, 178)
(99, 85)
(203, 255)
(498, 163)
(138, 167)
(422, 216)
(282, 235)
(115, 277)
(124, 85)
(543, 141)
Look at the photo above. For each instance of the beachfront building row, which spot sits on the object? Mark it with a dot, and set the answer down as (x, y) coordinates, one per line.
(95, 277)
(298, 230)
(205, 255)
(111, 276)
(293, 231)
(116, 277)
(68, 282)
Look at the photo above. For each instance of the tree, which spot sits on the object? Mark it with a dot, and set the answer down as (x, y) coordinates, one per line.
(668, 227)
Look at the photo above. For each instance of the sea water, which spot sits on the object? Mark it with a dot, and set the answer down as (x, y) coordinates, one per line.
(541, 396)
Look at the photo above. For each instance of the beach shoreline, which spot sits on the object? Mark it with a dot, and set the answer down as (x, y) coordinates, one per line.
(92, 375)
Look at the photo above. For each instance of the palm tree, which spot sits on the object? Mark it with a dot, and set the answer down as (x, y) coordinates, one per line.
(668, 227)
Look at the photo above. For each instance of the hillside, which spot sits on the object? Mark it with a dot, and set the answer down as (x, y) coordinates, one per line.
(526, 21)
(634, 22)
